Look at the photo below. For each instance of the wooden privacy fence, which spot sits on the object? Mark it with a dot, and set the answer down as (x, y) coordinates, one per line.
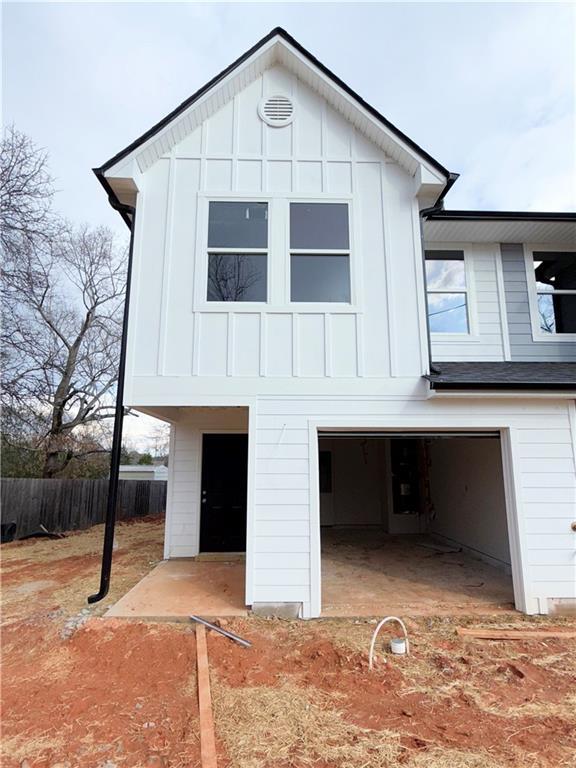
(66, 505)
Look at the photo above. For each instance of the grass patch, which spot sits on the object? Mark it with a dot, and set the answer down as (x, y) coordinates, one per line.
(261, 725)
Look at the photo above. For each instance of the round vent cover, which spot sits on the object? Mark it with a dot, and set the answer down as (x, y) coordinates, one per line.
(276, 110)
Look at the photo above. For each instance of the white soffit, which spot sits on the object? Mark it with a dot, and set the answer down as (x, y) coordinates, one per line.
(446, 231)
(277, 51)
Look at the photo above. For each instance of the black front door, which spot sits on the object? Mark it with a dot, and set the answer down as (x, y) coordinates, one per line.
(223, 493)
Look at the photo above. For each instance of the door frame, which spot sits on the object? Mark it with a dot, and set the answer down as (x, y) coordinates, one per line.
(200, 460)
(232, 431)
(514, 521)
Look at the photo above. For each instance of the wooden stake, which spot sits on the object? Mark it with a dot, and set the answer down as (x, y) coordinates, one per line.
(207, 738)
(516, 634)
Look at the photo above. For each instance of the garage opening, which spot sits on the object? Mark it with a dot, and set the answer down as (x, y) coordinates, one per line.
(413, 523)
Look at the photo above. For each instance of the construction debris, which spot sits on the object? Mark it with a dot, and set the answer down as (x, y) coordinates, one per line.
(516, 634)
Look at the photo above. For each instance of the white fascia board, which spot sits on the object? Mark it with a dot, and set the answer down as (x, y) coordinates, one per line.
(500, 394)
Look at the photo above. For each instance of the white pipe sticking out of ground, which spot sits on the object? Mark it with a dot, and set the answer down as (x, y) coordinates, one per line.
(397, 645)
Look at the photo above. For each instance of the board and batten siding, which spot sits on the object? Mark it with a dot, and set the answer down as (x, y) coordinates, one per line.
(174, 332)
(540, 486)
(486, 340)
(523, 347)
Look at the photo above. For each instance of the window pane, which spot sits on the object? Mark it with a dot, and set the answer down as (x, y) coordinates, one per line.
(557, 313)
(238, 225)
(319, 225)
(447, 313)
(236, 277)
(555, 271)
(444, 274)
(319, 278)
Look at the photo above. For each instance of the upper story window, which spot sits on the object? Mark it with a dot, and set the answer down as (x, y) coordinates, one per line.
(447, 292)
(237, 251)
(319, 252)
(554, 282)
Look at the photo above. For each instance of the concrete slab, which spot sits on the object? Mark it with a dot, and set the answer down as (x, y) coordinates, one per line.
(366, 572)
(174, 589)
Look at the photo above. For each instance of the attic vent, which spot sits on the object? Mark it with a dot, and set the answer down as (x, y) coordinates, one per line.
(276, 110)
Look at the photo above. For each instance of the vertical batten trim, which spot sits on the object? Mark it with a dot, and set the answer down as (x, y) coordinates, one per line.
(323, 147)
(501, 291)
(359, 345)
(418, 250)
(166, 264)
(133, 315)
(328, 344)
(384, 188)
(295, 346)
(196, 347)
(263, 333)
(235, 143)
(230, 344)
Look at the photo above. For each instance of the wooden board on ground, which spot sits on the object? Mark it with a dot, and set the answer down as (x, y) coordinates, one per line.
(515, 634)
(207, 739)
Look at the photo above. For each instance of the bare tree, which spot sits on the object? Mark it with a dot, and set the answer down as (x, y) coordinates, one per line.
(25, 193)
(61, 330)
(230, 276)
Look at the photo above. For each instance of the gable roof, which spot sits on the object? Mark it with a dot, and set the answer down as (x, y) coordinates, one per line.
(276, 47)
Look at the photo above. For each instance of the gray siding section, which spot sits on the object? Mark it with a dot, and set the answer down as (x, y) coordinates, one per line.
(522, 345)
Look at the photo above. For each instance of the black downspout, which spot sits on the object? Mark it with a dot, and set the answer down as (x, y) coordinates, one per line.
(438, 206)
(124, 210)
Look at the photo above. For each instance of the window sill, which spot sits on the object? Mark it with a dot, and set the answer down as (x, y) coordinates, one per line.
(548, 337)
(455, 337)
(304, 308)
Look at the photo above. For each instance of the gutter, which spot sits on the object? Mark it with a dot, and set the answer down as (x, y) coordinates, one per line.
(493, 385)
(438, 214)
(128, 213)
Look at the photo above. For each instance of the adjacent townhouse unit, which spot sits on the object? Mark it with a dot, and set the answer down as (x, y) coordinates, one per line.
(340, 357)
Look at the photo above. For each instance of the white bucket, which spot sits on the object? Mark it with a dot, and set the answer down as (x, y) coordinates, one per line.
(398, 645)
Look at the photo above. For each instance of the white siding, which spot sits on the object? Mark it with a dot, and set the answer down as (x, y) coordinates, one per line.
(539, 429)
(175, 333)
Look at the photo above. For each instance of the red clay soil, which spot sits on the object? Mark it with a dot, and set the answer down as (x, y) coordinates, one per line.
(81, 691)
(381, 699)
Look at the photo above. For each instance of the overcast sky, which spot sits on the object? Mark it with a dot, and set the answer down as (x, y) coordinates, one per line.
(487, 88)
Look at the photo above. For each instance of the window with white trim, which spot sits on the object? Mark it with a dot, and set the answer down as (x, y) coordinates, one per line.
(447, 291)
(319, 252)
(555, 282)
(237, 251)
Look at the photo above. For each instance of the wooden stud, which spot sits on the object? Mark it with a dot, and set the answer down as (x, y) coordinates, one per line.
(516, 634)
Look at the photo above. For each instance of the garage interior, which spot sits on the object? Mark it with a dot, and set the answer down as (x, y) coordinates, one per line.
(413, 524)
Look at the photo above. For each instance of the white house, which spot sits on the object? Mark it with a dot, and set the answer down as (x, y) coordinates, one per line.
(143, 472)
(333, 348)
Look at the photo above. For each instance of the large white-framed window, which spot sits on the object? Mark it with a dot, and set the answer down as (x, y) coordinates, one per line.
(449, 293)
(551, 279)
(237, 251)
(319, 252)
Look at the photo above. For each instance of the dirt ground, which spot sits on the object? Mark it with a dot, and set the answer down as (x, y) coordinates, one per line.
(81, 691)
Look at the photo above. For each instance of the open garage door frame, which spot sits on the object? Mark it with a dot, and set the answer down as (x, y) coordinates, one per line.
(319, 430)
